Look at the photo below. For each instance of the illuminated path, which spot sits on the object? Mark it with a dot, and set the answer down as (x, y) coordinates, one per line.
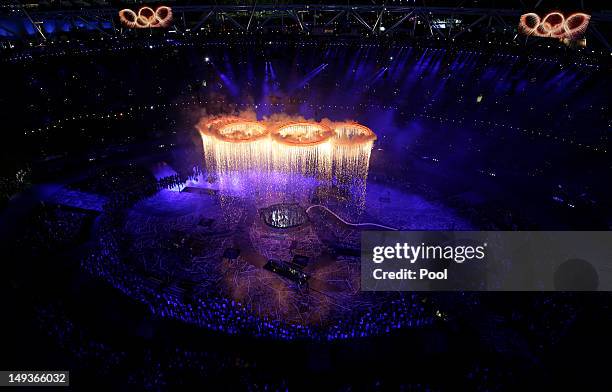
(349, 223)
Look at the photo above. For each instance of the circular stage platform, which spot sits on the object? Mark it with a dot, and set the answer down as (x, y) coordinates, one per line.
(283, 216)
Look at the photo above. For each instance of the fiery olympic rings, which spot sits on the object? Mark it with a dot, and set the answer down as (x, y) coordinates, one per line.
(554, 25)
(234, 129)
(304, 147)
(146, 17)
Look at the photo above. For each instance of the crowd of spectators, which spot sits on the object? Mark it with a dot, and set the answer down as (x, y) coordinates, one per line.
(225, 315)
(52, 227)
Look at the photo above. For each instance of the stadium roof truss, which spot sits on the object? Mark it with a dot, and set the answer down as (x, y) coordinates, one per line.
(381, 20)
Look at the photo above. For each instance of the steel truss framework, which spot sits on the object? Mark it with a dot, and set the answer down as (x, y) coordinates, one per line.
(379, 20)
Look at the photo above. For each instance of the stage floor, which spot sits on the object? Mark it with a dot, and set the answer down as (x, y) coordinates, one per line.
(181, 236)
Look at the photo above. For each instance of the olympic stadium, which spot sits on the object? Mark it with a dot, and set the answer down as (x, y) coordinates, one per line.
(184, 187)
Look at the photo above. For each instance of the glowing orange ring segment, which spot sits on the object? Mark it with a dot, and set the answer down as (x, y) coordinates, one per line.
(554, 25)
(302, 134)
(206, 126)
(146, 17)
(353, 134)
(239, 131)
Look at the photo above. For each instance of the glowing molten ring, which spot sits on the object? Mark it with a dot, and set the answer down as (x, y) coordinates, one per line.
(206, 126)
(554, 24)
(353, 134)
(239, 131)
(302, 134)
(128, 17)
(146, 17)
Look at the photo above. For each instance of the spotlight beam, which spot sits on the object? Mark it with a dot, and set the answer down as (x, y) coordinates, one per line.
(332, 20)
(204, 19)
(399, 22)
(360, 20)
(311, 75)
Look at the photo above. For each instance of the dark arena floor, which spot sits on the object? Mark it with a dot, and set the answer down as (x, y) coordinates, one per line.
(180, 208)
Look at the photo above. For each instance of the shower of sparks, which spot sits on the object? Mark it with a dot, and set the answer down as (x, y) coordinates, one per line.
(302, 148)
(276, 157)
(352, 148)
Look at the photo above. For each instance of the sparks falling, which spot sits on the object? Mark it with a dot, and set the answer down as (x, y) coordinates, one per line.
(282, 160)
(306, 148)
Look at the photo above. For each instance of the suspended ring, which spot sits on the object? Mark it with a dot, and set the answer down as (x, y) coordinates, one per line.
(302, 134)
(353, 133)
(234, 130)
